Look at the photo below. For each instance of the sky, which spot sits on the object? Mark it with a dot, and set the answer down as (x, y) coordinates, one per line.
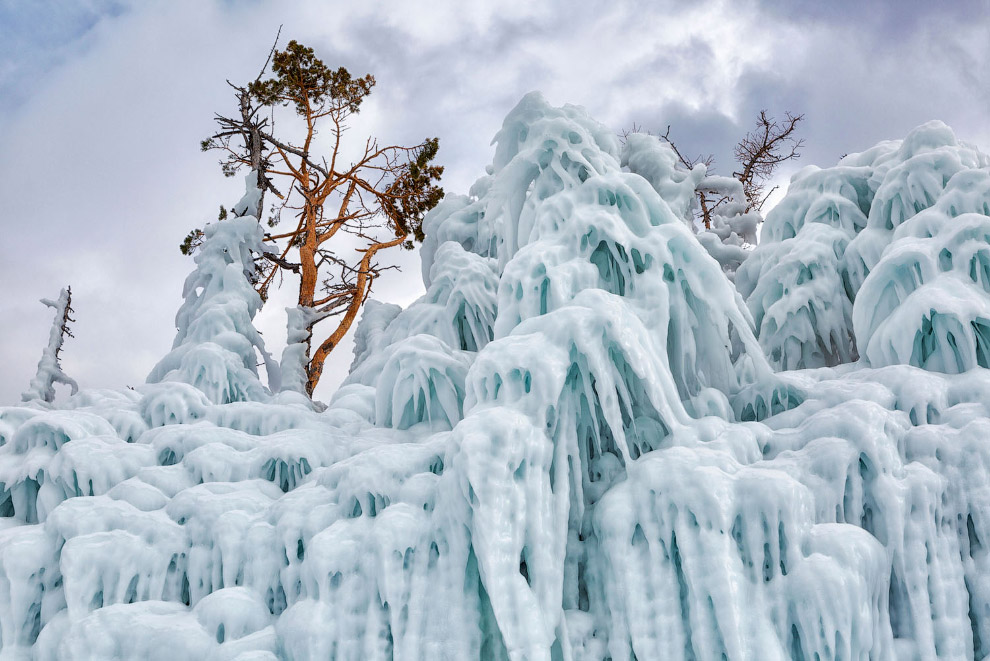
(103, 104)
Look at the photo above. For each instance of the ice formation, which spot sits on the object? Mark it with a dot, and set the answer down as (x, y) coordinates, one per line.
(42, 388)
(865, 224)
(733, 227)
(573, 446)
(217, 347)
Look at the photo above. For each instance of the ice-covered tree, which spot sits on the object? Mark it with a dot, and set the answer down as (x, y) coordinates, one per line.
(42, 387)
(370, 204)
(217, 347)
(759, 154)
(723, 211)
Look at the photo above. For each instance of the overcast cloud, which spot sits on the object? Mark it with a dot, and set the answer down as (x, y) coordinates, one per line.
(103, 104)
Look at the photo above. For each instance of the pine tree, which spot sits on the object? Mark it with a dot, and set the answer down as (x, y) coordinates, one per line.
(379, 198)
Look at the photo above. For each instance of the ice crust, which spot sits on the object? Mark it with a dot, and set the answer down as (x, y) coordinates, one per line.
(573, 446)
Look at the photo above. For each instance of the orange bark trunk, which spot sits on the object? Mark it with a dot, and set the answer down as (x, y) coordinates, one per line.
(315, 368)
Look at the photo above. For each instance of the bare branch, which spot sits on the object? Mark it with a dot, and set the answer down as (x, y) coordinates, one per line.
(759, 153)
(762, 151)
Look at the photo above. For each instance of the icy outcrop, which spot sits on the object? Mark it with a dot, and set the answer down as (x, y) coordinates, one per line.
(925, 302)
(908, 181)
(571, 447)
(835, 227)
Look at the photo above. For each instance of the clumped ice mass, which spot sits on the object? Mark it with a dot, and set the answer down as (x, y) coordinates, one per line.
(583, 442)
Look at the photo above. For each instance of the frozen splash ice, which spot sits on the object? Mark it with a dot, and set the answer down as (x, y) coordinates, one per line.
(571, 447)
(844, 226)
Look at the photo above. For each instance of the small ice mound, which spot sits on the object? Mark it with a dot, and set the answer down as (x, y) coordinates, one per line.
(225, 523)
(119, 408)
(356, 398)
(114, 567)
(11, 419)
(39, 468)
(153, 630)
(172, 403)
(216, 371)
(368, 482)
(232, 613)
(421, 381)
(172, 443)
(52, 430)
(90, 467)
(140, 494)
